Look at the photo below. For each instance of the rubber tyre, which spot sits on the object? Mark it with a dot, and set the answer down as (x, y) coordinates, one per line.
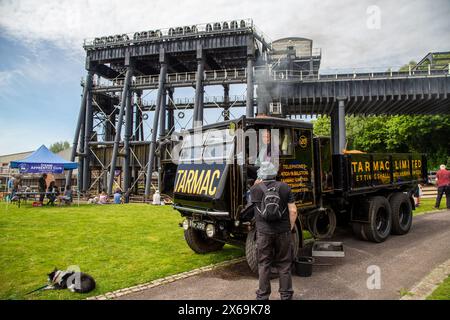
(251, 250)
(316, 219)
(380, 220)
(401, 213)
(200, 243)
(358, 230)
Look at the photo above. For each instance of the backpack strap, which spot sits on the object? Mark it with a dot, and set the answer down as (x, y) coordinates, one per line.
(263, 186)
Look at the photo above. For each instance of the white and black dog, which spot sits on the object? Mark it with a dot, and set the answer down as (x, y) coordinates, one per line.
(74, 281)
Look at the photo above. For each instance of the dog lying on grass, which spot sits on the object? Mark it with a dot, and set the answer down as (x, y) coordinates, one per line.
(74, 281)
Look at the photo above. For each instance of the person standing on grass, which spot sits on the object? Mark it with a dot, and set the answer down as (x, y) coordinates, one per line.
(443, 184)
(42, 187)
(11, 187)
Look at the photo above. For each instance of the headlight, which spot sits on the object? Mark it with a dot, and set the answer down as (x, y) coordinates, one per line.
(210, 230)
(185, 224)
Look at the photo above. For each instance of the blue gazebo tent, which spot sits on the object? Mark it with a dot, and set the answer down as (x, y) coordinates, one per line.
(43, 161)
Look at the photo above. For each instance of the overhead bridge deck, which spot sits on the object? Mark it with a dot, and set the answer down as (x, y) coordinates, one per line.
(425, 92)
(420, 92)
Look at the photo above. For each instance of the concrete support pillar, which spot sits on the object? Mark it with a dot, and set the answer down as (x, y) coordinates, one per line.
(126, 145)
(162, 135)
(123, 103)
(159, 97)
(162, 116)
(262, 93)
(226, 102)
(80, 126)
(342, 132)
(198, 103)
(171, 115)
(338, 134)
(249, 103)
(137, 118)
(88, 131)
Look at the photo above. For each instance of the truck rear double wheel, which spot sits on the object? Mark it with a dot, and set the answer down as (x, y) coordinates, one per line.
(251, 250)
(401, 213)
(380, 220)
(199, 242)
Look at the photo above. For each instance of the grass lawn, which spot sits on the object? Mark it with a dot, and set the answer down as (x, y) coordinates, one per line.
(442, 292)
(119, 245)
(427, 205)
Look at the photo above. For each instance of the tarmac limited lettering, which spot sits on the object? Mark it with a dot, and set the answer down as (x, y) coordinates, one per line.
(206, 311)
(197, 182)
(359, 166)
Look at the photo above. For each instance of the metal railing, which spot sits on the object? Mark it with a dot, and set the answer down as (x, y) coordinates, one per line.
(263, 73)
(206, 99)
(268, 74)
(183, 77)
(184, 31)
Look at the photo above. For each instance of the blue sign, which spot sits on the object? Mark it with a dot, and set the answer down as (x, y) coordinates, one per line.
(41, 168)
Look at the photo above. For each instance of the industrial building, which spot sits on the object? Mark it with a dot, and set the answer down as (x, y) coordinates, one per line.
(123, 141)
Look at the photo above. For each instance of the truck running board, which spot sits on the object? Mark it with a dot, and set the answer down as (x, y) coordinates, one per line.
(328, 249)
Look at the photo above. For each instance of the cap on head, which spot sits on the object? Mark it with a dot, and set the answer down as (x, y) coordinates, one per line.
(267, 171)
(442, 166)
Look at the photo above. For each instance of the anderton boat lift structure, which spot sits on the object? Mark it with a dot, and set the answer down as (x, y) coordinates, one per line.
(119, 146)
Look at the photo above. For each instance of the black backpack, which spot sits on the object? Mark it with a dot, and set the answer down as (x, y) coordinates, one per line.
(270, 206)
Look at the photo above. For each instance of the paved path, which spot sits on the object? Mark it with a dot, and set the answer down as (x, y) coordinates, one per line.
(403, 261)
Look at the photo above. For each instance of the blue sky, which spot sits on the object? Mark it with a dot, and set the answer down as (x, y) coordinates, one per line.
(42, 59)
(39, 95)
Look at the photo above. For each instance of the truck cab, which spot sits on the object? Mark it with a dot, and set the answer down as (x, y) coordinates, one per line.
(216, 168)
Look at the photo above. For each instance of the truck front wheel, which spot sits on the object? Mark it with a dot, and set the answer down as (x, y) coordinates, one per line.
(199, 242)
(401, 213)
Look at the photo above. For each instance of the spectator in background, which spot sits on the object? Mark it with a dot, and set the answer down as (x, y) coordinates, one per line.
(103, 198)
(52, 193)
(11, 186)
(417, 194)
(42, 188)
(268, 156)
(117, 196)
(443, 184)
(67, 197)
(15, 183)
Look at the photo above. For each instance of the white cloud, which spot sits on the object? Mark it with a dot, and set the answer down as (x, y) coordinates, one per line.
(409, 29)
(33, 68)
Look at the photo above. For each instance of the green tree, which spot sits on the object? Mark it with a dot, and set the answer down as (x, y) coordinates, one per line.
(419, 133)
(59, 146)
(405, 67)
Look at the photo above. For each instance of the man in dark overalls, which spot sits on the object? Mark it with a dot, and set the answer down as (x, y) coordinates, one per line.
(273, 239)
